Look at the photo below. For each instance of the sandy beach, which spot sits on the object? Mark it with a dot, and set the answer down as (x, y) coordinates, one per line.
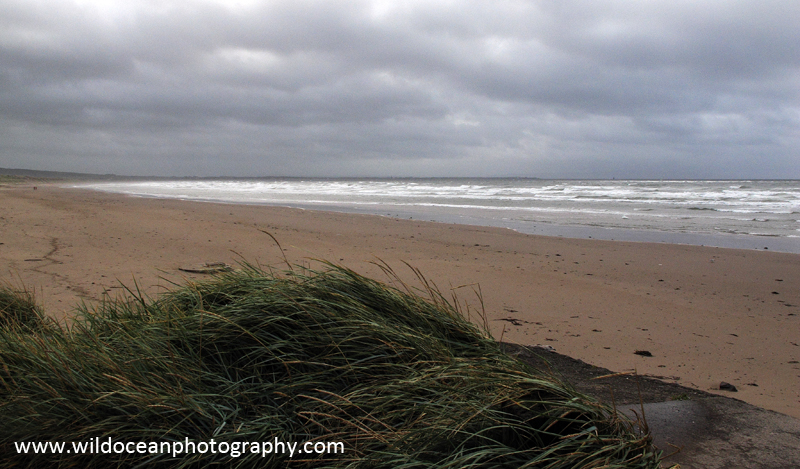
(706, 315)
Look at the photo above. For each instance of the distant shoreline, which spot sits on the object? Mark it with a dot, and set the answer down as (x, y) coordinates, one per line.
(737, 241)
(770, 243)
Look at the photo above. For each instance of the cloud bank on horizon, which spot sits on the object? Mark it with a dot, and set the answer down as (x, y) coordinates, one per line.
(566, 88)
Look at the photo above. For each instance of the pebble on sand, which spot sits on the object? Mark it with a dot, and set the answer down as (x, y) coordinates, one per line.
(727, 387)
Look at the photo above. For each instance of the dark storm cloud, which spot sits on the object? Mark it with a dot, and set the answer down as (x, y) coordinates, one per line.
(547, 88)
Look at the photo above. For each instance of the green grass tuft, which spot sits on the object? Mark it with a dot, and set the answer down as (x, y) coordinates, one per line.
(398, 375)
(18, 310)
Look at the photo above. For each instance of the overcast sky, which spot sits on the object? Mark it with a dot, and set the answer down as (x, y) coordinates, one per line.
(561, 88)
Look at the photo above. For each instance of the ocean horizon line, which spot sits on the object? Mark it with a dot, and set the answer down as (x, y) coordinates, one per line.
(73, 174)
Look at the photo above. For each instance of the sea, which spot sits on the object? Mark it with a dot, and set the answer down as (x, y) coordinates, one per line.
(743, 214)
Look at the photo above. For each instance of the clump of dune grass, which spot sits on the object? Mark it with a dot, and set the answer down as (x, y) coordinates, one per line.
(397, 375)
(18, 310)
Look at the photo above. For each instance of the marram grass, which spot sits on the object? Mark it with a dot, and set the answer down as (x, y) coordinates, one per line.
(397, 375)
(18, 310)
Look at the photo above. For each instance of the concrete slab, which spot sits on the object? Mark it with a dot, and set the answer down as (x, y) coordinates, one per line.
(719, 432)
(703, 430)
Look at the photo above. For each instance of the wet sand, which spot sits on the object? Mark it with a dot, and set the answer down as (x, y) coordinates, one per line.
(706, 315)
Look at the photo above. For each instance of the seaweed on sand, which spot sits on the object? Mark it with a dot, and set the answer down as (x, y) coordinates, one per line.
(397, 375)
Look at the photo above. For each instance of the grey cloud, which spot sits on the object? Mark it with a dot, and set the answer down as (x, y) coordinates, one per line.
(534, 88)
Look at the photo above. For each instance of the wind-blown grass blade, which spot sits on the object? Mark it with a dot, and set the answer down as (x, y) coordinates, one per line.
(396, 374)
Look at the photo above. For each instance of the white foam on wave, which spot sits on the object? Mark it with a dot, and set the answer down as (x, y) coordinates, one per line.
(692, 206)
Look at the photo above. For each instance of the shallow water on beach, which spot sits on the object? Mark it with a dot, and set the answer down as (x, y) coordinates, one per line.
(743, 214)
